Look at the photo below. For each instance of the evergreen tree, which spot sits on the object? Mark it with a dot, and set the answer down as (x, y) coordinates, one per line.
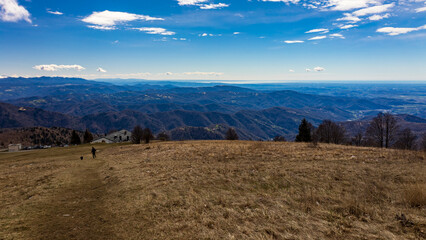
(137, 134)
(88, 137)
(75, 139)
(231, 134)
(304, 132)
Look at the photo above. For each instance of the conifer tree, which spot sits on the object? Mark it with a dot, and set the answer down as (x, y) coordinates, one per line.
(88, 137)
(231, 134)
(304, 132)
(75, 139)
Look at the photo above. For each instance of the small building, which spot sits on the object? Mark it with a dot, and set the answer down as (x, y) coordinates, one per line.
(115, 137)
(15, 147)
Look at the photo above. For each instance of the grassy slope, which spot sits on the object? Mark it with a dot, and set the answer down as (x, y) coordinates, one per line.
(212, 190)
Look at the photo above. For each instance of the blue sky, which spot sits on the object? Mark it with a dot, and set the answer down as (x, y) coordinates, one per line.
(247, 40)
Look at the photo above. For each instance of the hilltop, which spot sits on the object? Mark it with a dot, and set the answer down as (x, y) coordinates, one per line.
(213, 190)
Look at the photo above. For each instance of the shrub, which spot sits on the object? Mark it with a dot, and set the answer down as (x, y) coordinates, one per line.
(163, 136)
(279, 139)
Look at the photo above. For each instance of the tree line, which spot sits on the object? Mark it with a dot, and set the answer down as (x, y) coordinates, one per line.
(383, 131)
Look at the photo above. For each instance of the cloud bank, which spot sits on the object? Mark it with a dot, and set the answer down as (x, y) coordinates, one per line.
(54, 67)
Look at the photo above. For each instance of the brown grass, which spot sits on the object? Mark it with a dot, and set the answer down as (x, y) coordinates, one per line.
(415, 195)
(213, 190)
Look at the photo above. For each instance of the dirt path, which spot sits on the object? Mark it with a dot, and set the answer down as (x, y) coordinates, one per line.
(71, 207)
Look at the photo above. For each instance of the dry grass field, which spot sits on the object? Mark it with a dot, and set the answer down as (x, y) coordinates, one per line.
(213, 190)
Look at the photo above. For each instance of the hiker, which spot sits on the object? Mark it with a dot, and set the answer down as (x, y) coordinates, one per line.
(94, 152)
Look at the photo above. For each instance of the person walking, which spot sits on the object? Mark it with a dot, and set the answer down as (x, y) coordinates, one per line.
(93, 152)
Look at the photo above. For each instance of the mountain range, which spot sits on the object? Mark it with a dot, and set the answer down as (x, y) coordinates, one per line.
(184, 112)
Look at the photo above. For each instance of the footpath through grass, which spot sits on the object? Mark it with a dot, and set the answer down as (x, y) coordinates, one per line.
(52, 194)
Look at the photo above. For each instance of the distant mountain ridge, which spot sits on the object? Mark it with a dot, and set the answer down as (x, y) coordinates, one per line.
(251, 124)
(225, 99)
(189, 111)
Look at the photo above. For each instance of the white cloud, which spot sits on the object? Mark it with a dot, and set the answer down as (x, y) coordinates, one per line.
(237, 33)
(101, 70)
(373, 10)
(317, 38)
(346, 5)
(55, 12)
(337, 5)
(293, 41)
(54, 67)
(213, 6)
(107, 20)
(349, 18)
(392, 31)
(190, 2)
(202, 4)
(337, 35)
(378, 17)
(422, 9)
(308, 70)
(209, 35)
(11, 11)
(291, 70)
(348, 26)
(101, 27)
(319, 69)
(158, 31)
(319, 30)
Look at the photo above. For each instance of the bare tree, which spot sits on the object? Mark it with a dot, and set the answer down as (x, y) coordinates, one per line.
(423, 142)
(376, 131)
(382, 130)
(147, 135)
(391, 128)
(358, 139)
(137, 134)
(329, 132)
(406, 140)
